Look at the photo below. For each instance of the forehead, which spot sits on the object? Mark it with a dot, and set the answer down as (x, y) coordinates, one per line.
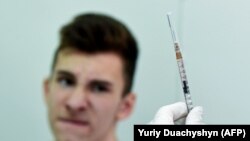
(106, 64)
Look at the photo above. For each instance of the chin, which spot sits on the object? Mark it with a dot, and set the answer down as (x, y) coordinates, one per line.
(71, 137)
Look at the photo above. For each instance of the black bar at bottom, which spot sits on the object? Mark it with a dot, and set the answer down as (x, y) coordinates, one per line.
(192, 132)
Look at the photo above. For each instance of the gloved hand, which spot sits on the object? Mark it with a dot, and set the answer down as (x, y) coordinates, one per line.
(174, 113)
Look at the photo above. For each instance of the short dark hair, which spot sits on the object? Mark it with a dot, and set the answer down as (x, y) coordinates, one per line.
(96, 33)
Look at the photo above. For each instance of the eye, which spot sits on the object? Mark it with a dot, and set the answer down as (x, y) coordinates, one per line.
(65, 82)
(99, 88)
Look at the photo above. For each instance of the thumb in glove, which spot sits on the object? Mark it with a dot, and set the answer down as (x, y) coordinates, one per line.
(177, 113)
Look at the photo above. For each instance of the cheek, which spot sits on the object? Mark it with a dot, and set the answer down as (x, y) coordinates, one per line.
(106, 107)
(55, 99)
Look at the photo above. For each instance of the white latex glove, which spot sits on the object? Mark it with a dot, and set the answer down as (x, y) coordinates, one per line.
(174, 113)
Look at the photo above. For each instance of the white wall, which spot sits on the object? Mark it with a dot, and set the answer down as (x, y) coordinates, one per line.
(217, 48)
(214, 35)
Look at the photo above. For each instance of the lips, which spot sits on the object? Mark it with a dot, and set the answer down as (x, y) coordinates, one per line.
(74, 122)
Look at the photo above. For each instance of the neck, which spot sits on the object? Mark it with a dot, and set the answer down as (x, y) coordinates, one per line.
(111, 136)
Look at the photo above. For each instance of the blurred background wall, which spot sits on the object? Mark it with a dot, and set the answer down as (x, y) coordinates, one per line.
(214, 38)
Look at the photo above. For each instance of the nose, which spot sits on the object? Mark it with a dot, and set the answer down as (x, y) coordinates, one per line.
(77, 101)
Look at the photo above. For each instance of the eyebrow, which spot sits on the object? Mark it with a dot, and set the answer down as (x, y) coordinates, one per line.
(92, 81)
(65, 73)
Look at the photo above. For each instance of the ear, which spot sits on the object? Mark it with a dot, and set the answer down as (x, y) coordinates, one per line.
(46, 89)
(126, 106)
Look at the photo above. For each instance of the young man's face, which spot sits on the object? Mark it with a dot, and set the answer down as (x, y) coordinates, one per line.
(84, 96)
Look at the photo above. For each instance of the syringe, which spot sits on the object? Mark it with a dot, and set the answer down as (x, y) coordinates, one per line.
(180, 63)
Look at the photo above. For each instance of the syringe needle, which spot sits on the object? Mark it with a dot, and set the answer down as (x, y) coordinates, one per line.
(171, 27)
